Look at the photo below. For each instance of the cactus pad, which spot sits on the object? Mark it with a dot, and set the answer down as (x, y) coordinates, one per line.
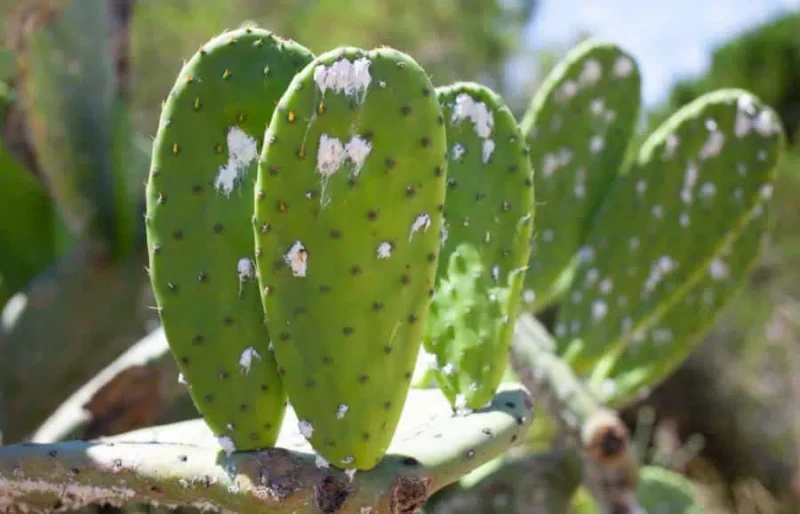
(661, 491)
(695, 184)
(488, 227)
(350, 191)
(650, 359)
(200, 239)
(577, 127)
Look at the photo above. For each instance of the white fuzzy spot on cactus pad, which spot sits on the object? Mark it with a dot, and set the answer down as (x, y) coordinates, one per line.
(458, 151)
(663, 266)
(297, 259)
(306, 429)
(466, 108)
(242, 151)
(351, 473)
(384, 250)
(182, 379)
(599, 310)
(422, 222)
(244, 268)
(713, 145)
(529, 296)
(623, 66)
(689, 181)
(596, 144)
(487, 149)
(591, 72)
(567, 90)
(341, 411)
(332, 154)
(344, 76)
(718, 269)
(246, 359)
(227, 444)
(321, 462)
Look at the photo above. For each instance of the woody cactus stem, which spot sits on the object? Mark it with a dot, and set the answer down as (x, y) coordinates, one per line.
(181, 465)
(609, 464)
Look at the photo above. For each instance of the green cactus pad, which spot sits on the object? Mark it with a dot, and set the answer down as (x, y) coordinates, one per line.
(488, 227)
(696, 183)
(350, 191)
(661, 491)
(650, 358)
(578, 127)
(200, 238)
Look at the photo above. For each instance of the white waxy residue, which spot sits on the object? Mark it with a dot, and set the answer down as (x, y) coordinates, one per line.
(343, 76)
(458, 151)
(591, 72)
(596, 144)
(227, 444)
(689, 181)
(487, 149)
(297, 259)
(306, 429)
(623, 66)
(244, 268)
(246, 359)
(599, 310)
(713, 145)
(422, 222)
(332, 154)
(466, 108)
(384, 250)
(321, 462)
(242, 151)
(341, 411)
(718, 269)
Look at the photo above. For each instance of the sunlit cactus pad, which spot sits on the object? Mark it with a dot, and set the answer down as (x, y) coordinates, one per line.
(199, 231)
(488, 228)
(349, 204)
(667, 224)
(578, 127)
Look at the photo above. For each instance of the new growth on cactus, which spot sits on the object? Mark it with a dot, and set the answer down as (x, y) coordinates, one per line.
(202, 256)
(488, 225)
(347, 222)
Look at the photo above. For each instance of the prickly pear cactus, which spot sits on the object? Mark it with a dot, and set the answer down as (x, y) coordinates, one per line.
(349, 197)
(488, 226)
(577, 127)
(668, 223)
(199, 209)
(651, 361)
(661, 491)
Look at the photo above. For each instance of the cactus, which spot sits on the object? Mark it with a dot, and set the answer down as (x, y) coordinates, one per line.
(661, 491)
(181, 465)
(488, 227)
(578, 128)
(688, 320)
(350, 189)
(199, 205)
(695, 184)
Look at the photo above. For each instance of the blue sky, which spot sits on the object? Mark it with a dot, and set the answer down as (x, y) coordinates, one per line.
(670, 39)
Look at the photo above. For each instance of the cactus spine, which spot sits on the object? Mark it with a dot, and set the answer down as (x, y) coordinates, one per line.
(349, 196)
(488, 227)
(577, 127)
(199, 206)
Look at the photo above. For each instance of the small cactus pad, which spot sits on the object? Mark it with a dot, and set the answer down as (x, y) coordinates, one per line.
(488, 226)
(199, 206)
(349, 204)
(655, 353)
(577, 127)
(694, 185)
(661, 491)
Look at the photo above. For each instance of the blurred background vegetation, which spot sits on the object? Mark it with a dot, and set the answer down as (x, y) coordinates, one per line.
(738, 395)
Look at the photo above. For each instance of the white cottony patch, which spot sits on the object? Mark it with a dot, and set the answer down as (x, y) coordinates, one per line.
(348, 460)
(343, 76)
(591, 276)
(580, 183)
(321, 462)
(422, 222)
(718, 269)
(658, 271)
(586, 254)
(596, 144)
(384, 250)
(672, 145)
(458, 151)
(641, 187)
(707, 190)
(448, 369)
(767, 124)
(599, 310)
(529, 296)
(591, 72)
(227, 444)
(597, 106)
(350, 474)
(549, 165)
(443, 237)
(683, 219)
(487, 148)
(342, 410)
(606, 285)
(242, 151)
(466, 108)
(332, 154)
(548, 235)
(182, 379)
(689, 181)
(246, 359)
(623, 66)
(244, 268)
(766, 191)
(306, 428)
(496, 273)
(657, 211)
(567, 90)
(297, 259)
(713, 145)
